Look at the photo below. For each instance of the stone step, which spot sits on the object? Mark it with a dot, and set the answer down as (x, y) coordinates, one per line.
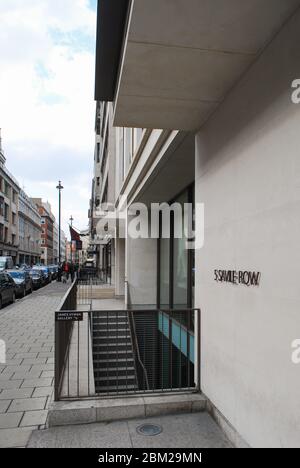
(103, 354)
(102, 329)
(118, 345)
(117, 371)
(64, 413)
(111, 338)
(116, 388)
(102, 363)
(109, 315)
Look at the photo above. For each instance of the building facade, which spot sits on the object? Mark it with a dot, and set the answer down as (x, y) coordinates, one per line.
(221, 132)
(29, 231)
(83, 254)
(9, 216)
(63, 246)
(103, 189)
(114, 151)
(56, 244)
(47, 231)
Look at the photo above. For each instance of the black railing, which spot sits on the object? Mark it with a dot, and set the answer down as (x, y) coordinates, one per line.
(63, 333)
(90, 274)
(124, 352)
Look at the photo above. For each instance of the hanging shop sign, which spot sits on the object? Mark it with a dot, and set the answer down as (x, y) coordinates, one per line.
(246, 278)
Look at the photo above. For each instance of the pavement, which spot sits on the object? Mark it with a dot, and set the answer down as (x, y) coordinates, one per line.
(196, 430)
(26, 387)
(26, 379)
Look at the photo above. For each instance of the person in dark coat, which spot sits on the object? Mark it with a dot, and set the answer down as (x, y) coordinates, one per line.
(72, 272)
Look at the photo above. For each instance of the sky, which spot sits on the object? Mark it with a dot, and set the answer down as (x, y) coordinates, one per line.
(47, 108)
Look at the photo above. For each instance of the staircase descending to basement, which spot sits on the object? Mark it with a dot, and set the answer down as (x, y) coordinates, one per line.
(114, 367)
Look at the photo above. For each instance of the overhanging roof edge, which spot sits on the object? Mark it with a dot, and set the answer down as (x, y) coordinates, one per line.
(111, 24)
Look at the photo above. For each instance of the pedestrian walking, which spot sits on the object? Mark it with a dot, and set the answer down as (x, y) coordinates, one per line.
(66, 270)
(72, 272)
(59, 272)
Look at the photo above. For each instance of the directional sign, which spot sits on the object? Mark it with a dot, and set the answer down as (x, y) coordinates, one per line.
(69, 316)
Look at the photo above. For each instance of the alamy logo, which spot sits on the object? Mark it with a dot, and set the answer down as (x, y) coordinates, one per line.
(139, 221)
(2, 352)
(296, 94)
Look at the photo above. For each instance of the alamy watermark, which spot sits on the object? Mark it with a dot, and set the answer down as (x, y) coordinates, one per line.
(2, 352)
(296, 93)
(159, 220)
(296, 351)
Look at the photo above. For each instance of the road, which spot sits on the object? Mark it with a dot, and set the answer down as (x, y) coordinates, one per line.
(26, 378)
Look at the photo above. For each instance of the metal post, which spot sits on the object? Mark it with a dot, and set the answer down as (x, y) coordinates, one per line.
(71, 221)
(59, 188)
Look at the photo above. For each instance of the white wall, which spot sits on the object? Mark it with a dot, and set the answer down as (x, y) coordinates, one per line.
(141, 270)
(120, 267)
(248, 176)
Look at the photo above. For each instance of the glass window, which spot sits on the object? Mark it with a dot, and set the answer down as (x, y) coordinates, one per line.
(180, 262)
(6, 212)
(177, 260)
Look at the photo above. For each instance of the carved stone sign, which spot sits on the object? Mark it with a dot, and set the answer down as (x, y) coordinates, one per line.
(247, 278)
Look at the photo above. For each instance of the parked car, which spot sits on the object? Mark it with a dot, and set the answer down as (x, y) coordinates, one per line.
(25, 267)
(53, 271)
(7, 289)
(22, 280)
(46, 272)
(37, 278)
(44, 278)
(6, 263)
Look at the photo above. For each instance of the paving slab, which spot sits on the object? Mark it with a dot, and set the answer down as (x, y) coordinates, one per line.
(13, 438)
(27, 327)
(27, 404)
(181, 431)
(36, 383)
(10, 420)
(4, 404)
(13, 384)
(42, 391)
(34, 418)
(91, 435)
(16, 393)
(47, 375)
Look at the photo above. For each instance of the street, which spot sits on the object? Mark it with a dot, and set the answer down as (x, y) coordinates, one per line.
(26, 379)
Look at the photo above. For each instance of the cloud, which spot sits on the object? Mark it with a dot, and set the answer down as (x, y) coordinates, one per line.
(46, 97)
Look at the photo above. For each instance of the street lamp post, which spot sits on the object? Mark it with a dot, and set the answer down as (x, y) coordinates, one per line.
(59, 188)
(71, 221)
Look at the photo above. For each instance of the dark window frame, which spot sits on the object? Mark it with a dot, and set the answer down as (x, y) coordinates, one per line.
(190, 189)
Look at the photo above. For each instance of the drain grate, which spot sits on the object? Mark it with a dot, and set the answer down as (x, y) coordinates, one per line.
(149, 430)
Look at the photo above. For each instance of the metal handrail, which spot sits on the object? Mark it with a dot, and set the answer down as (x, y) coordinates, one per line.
(135, 344)
(136, 348)
(62, 346)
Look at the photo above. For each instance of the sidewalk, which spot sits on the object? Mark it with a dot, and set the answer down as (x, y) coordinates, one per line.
(179, 431)
(26, 380)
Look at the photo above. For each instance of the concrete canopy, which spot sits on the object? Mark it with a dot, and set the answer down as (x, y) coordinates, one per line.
(182, 57)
